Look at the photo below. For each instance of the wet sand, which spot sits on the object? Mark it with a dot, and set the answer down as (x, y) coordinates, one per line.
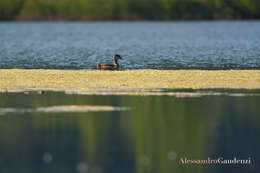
(20, 80)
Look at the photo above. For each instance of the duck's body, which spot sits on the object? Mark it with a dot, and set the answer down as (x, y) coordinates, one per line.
(106, 67)
(114, 66)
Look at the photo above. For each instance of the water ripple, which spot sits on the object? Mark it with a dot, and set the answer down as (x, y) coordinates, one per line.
(143, 45)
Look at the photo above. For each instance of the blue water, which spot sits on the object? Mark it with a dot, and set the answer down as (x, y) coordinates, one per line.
(143, 45)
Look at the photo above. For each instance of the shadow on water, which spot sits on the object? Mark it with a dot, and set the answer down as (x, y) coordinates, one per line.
(153, 136)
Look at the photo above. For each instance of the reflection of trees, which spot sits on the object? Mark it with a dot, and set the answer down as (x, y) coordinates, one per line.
(150, 138)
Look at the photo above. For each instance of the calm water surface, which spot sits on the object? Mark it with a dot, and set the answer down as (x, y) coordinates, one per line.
(151, 137)
(153, 45)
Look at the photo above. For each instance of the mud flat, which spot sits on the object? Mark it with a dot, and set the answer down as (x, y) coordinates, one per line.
(129, 81)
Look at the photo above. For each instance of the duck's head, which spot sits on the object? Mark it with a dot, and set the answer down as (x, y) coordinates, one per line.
(116, 56)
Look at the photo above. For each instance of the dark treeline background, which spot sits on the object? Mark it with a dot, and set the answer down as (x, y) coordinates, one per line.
(128, 9)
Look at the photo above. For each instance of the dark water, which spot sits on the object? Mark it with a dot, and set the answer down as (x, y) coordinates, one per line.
(153, 45)
(151, 137)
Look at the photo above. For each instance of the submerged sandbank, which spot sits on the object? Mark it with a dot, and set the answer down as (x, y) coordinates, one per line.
(132, 81)
(64, 109)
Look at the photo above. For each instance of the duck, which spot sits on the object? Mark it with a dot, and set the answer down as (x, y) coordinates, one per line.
(114, 66)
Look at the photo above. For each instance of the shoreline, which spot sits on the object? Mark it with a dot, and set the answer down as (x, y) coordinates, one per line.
(129, 81)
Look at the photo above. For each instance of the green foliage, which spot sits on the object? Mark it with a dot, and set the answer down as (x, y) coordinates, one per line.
(10, 9)
(128, 9)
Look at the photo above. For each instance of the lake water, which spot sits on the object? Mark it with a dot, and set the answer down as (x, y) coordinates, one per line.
(151, 137)
(143, 45)
(154, 133)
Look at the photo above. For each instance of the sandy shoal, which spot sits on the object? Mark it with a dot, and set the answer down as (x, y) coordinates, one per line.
(19, 80)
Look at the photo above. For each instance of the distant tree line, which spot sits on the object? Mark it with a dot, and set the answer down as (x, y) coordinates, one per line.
(128, 9)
